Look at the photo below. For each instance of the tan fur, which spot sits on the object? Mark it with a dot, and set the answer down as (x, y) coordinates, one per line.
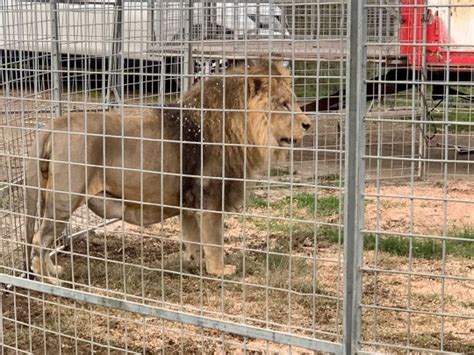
(252, 116)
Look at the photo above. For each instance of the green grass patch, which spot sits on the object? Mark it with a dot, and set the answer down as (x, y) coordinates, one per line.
(297, 229)
(330, 234)
(324, 206)
(328, 206)
(303, 202)
(454, 118)
(257, 202)
(313, 81)
(423, 248)
(304, 205)
(280, 172)
(317, 79)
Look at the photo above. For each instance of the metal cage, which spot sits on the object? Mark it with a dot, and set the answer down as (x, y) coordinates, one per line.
(360, 240)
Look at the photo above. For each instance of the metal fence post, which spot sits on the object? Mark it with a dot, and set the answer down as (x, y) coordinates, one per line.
(55, 59)
(354, 174)
(188, 65)
(151, 38)
(116, 65)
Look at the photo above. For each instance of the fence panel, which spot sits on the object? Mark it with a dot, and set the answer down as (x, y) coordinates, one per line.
(236, 176)
(129, 287)
(418, 234)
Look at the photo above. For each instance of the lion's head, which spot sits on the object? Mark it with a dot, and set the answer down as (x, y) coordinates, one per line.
(252, 109)
(271, 95)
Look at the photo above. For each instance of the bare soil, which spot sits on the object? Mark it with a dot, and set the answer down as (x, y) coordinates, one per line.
(285, 281)
(288, 278)
(423, 208)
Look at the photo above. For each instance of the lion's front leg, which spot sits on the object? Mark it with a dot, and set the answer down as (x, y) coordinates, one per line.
(191, 237)
(212, 239)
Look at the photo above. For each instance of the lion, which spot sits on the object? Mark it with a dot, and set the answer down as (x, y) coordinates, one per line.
(189, 159)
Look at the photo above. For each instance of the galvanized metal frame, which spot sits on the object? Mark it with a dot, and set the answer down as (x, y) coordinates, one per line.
(355, 175)
(115, 79)
(55, 57)
(181, 317)
(358, 45)
(115, 87)
(436, 166)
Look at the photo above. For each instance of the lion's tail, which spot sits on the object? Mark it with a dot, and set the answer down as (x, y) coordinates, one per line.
(36, 178)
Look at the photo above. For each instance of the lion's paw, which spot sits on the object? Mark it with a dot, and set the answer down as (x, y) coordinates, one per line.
(43, 274)
(36, 265)
(56, 270)
(227, 270)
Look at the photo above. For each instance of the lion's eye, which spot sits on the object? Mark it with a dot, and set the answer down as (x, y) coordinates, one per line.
(287, 106)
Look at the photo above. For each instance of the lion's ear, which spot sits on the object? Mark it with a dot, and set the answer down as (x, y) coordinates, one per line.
(257, 86)
(278, 65)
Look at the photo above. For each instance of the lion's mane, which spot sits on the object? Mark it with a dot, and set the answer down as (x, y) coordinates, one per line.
(232, 111)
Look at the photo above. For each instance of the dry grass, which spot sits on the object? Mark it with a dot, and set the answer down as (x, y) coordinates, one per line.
(288, 277)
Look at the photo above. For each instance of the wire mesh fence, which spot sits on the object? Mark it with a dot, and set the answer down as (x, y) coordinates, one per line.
(230, 176)
(420, 230)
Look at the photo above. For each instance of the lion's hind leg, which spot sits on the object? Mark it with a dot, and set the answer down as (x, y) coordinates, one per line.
(55, 217)
(41, 263)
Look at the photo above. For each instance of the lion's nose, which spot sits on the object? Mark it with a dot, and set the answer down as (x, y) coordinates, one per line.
(306, 126)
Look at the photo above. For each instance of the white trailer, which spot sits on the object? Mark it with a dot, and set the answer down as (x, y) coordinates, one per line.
(89, 27)
(116, 33)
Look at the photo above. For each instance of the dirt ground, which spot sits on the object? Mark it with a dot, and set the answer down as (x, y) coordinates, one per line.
(289, 277)
(424, 208)
(289, 270)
